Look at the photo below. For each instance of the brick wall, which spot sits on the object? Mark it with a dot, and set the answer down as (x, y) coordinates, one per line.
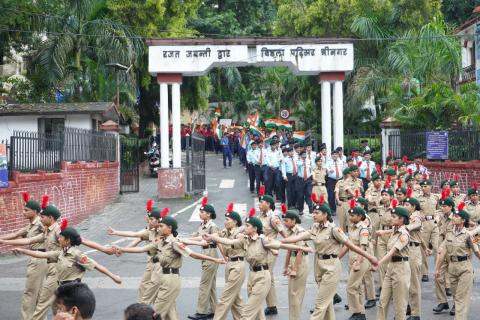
(468, 172)
(78, 190)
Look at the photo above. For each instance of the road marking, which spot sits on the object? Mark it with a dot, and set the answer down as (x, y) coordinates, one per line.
(227, 184)
(195, 217)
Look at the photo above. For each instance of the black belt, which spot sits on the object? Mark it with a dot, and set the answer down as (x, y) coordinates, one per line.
(458, 258)
(41, 250)
(386, 227)
(260, 268)
(294, 253)
(327, 256)
(170, 270)
(69, 281)
(414, 244)
(428, 218)
(372, 210)
(237, 259)
(320, 184)
(155, 259)
(341, 199)
(261, 166)
(212, 245)
(399, 259)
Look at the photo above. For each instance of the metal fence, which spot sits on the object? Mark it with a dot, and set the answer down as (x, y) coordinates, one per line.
(195, 164)
(463, 145)
(31, 151)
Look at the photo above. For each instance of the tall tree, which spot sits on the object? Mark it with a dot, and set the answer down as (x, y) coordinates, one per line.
(457, 12)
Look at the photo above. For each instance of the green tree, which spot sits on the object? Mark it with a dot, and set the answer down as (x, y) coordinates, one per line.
(457, 12)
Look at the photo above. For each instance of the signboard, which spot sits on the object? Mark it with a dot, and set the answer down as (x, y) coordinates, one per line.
(284, 114)
(3, 166)
(226, 122)
(437, 145)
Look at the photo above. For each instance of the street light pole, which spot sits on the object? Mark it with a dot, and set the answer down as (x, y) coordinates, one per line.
(118, 66)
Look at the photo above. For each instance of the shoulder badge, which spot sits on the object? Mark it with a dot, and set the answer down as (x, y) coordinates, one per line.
(403, 238)
(83, 259)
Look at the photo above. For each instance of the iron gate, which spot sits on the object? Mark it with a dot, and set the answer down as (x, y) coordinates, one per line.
(195, 164)
(129, 164)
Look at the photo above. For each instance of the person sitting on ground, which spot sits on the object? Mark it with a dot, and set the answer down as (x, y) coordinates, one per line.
(74, 301)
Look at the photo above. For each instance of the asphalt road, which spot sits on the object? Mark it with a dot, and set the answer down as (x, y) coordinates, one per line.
(224, 186)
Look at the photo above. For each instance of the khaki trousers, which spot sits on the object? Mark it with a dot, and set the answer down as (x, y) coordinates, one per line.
(207, 292)
(355, 294)
(461, 278)
(296, 288)
(382, 243)
(271, 297)
(396, 285)
(430, 234)
(342, 212)
(327, 275)
(46, 295)
(147, 290)
(441, 282)
(231, 299)
(168, 291)
(257, 290)
(415, 259)
(36, 270)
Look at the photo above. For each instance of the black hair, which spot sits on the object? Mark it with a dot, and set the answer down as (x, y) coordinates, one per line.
(76, 241)
(329, 218)
(174, 232)
(272, 206)
(75, 294)
(140, 311)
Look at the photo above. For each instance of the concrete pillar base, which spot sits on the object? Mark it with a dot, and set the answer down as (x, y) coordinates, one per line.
(171, 183)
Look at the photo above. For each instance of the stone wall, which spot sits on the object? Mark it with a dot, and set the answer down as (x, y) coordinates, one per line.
(468, 172)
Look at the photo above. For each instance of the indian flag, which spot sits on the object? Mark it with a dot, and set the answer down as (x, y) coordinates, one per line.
(271, 123)
(299, 136)
(218, 112)
(256, 130)
(283, 124)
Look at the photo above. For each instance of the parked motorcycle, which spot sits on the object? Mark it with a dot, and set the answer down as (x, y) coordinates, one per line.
(153, 159)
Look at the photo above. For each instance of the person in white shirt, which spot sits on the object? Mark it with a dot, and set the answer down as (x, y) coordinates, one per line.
(251, 164)
(322, 154)
(334, 173)
(311, 156)
(367, 168)
(342, 156)
(303, 186)
(273, 168)
(260, 165)
(417, 164)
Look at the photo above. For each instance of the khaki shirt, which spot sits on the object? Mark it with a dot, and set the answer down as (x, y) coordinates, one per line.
(49, 237)
(71, 263)
(400, 240)
(457, 198)
(473, 210)
(414, 228)
(428, 205)
(444, 226)
(327, 238)
(340, 190)
(373, 196)
(256, 251)
(458, 243)
(234, 250)
(150, 235)
(352, 185)
(170, 252)
(271, 224)
(319, 176)
(359, 234)
(296, 230)
(385, 217)
(208, 228)
(31, 230)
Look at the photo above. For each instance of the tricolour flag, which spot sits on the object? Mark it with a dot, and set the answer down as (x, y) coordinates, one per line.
(256, 130)
(271, 123)
(283, 124)
(299, 136)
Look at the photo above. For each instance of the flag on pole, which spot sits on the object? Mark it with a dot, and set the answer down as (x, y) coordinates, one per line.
(299, 136)
(256, 130)
(218, 112)
(283, 124)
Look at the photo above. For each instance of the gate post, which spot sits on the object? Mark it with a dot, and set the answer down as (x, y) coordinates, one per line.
(114, 129)
(388, 126)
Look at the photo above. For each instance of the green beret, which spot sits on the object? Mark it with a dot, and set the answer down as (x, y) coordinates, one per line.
(389, 191)
(73, 235)
(426, 182)
(402, 164)
(472, 191)
(401, 212)
(448, 201)
(453, 183)
(235, 216)
(402, 190)
(362, 201)
(390, 159)
(414, 202)
(375, 176)
(325, 208)
(293, 214)
(34, 205)
(390, 172)
(443, 181)
(346, 171)
(269, 199)
(51, 211)
(408, 178)
(357, 210)
(353, 167)
(417, 172)
(257, 223)
(169, 221)
(210, 209)
(462, 213)
(155, 213)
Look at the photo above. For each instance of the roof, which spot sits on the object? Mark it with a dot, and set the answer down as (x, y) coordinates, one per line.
(242, 41)
(16, 109)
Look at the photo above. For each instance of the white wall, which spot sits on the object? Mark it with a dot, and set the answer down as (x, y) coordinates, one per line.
(81, 121)
(11, 123)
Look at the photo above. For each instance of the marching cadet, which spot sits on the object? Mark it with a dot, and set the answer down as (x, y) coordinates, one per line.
(334, 167)
(289, 174)
(319, 175)
(353, 183)
(257, 247)
(402, 168)
(389, 161)
(148, 286)
(473, 205)
(36, 268)
(170, 251)
(271, 227)
(374, 198)
(341, 198)
(234, 269)
(457, 247)
(400, 192)
(417, 179)
(251, 164)
(445, 225)
(70, 263)
(207, 291)
(359, 235)
(455, 192)
(385, 223)
(396, 282)
(296, 266)
(328, 240)
(304, 183)
(428, 208)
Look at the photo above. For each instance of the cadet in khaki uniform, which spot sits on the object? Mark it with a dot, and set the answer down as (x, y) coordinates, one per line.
(455, 193)
(169, 253)
(70, 262)
(341, 198)
(257, 246)
(396, 282)
(457, 248)
(359, 235)
(385, 223)
(36, 268)
(374, 198)
(328, 240)
(234, 270)
(353, 186)
(271, 226)
(298, 282)
(207, 291)
(319, 183)
(445, 225)
(473, 205)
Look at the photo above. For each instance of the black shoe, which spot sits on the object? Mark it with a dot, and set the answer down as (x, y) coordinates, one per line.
(198, 316)
(448, 292)
(370, 304)
(409, 310)
(271, 311)
(441, 307)
(425, 278)
(357, 316)
(336, 299)
(452, 311)
(378, 292)
(210, 315)
(311, 311)
(413, 318)
(346, 307)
